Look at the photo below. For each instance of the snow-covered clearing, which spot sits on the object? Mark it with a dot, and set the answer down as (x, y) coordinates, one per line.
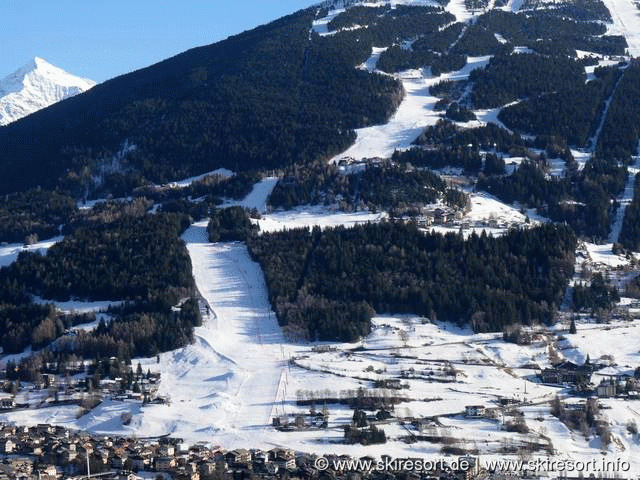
(458, 9)
(414, 114)
(372, 62)
(581, 156)
(617, 345)
(514, 5)
(488, 116)
(9, 253)
(602, 62)
(223, 172)
(321, 25)
(486, 207)
(257, 198)
(309, 217)
(103, 420)
(602, 255)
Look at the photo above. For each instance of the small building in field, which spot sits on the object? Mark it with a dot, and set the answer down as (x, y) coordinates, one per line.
(475, 411)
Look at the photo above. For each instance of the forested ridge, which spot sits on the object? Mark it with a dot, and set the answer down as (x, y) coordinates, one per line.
(262, 99)
(574, 112)
(582, 200)
(378, 186)
(326, 285)
(37, 214)
(280, 100)
(510, 77)
(621, 130)
(137, 258)
(630, 231)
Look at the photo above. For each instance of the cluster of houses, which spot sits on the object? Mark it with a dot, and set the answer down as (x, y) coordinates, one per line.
(438, 216)
(568, 373)
(47, 452)
(619, 386)
(55, 389)
(311, 421)
(579, 378)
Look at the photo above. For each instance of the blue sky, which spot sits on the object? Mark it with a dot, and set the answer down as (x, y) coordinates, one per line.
(101, 39)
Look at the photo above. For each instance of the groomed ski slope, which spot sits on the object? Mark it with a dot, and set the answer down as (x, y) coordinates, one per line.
(416, 112)
(624, 200)
(225, 385)
(626, 21)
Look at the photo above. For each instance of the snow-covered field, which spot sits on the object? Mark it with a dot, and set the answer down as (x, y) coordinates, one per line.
(223, 172)
(9, 253)
(257, 198)
(223, 388)
(309, 217)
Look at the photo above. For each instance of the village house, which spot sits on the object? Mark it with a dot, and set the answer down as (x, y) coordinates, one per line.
(474, 411)
(7, 403)
(164, 464)
(239, 457)
(7, 446)
(606, 388)
(44, 428)
(119, 461)
(48, 472)
(167, 450)
(567, 373)
(208, 469)
(125, 475)
(283, 459)
(138, 462)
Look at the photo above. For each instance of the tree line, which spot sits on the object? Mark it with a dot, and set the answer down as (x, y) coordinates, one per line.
(266, 98)
(138, 259)
(327, 284)
(384, 185)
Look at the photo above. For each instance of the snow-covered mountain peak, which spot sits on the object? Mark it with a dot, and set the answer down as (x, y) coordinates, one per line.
(34, 86)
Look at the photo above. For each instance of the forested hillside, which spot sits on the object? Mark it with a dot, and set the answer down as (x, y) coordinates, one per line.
(262, 99)
(326, 285)
(138, 258)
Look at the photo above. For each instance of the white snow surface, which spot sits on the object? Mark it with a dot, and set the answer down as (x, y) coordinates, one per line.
(626, 21)
(9, 253)
(223, 172)
(414, 114)
(224, 386)
(35, 86)
(321, 25)
(311, 216)
(257, 198)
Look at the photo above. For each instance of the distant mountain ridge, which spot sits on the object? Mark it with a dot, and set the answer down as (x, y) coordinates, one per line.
(34, 86)
(272, 96)
(292, 92)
